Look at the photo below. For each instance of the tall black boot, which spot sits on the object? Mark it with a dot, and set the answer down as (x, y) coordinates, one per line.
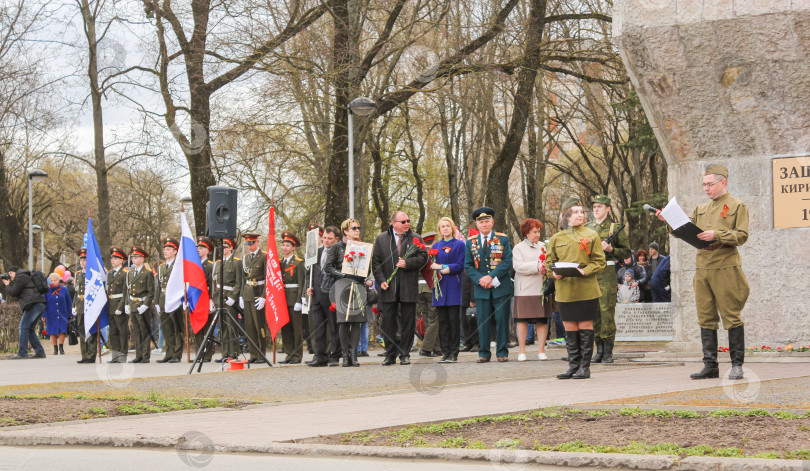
(574, 352)
(710, 370)
(346, 358)
(608, 357)
(353, 357)
(586, 347)
(600, 351)
(736, 349)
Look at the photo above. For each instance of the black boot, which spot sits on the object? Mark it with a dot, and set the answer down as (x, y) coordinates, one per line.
(586, 347)
(572, 345)
(736, 349)
(346, 359)
(55, 350)
(353, 358)
(61, 349)
(600, 351)
(709, 339)
(608, 357)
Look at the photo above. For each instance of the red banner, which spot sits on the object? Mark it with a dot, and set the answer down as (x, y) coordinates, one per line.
(275, 307)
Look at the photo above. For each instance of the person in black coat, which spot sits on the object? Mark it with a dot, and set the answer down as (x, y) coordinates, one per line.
(398, 298)
(322, 317)
(32, 302)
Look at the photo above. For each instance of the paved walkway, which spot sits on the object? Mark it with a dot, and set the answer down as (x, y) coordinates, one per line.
(262, 424)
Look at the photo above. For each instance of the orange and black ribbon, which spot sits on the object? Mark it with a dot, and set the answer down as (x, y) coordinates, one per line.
(725, 211)
(584, 244)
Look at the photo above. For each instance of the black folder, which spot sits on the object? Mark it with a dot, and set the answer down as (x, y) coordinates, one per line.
(688, 233)
(566, 271)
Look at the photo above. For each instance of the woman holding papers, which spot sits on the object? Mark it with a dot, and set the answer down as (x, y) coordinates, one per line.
(577, 294)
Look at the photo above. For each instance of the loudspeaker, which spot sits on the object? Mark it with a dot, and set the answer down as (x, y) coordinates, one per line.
(221, 212)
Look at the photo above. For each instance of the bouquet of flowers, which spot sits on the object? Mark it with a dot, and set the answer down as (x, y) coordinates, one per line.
(437, 290)
(411, 250)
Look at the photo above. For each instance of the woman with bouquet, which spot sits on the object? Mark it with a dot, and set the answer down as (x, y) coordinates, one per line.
(528, 260)
(447, 257)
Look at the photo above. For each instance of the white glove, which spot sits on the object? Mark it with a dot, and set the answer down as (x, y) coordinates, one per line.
(157, 309)
(210, 305)
(259, 304)
(230, 301)
(241, 303)
(118, 313)
(127, 309)
(185, 306)
(297, 307)
(142, 308)
(304, 302)
(74, 311)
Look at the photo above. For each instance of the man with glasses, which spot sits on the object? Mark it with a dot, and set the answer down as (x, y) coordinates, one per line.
(399, 296)
(720, 284)
(255, 265)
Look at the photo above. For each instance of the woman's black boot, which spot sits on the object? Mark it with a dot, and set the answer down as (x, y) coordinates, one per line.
(586, 347)
(346, 359)
(574, 352)
(61, 349)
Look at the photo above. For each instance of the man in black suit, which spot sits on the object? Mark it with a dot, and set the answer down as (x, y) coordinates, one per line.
(399, 295)
(322, 317)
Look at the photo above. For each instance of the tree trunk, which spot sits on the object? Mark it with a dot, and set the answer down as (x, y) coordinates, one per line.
(14, 237)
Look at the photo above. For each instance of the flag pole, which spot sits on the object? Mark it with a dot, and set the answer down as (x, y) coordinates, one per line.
(98, 337)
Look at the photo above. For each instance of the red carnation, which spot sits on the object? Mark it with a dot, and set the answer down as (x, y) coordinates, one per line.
(374, 309)
(433, 252)
(352, 252)
(361, 255)
(542, 257)
(332, 307)
(417, 241)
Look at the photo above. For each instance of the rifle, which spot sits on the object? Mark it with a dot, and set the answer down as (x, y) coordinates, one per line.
(613, 236)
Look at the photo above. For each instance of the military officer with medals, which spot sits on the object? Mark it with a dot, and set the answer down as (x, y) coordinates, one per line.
(617, 249)
(116, 293)
(293, 274)
(488, 261)
(172, 323)
(230, 285)
(88, 346)
(204, 247)
(140, 295)
(253, 297)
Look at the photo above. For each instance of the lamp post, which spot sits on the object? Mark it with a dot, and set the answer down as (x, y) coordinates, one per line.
(35, 175)
(38, 230)
(362, 107)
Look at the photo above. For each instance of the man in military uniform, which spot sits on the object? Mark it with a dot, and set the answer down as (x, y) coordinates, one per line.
(230, 285)
(140, 294)
(119, 320)
(255, 266)
(204, 247)
(720, 284)
(617, 249)
(293, 275)
(172, 323)
(488, 261)
(88, 346)
(431, 347)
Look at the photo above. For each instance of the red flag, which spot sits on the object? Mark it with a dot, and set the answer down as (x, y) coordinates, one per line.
(275, 307)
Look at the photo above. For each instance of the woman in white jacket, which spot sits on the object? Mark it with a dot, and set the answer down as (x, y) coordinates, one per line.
(528, 261)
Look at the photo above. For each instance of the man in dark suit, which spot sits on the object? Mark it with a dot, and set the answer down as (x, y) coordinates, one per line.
(323, 319)
(398, 295)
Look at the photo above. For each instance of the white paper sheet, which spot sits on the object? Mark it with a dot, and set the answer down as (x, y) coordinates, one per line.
(566, 265)
(674, 215)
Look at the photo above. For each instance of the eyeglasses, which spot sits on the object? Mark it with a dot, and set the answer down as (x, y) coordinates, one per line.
(355, 228)
(709, 185)
(250, 242)
(406, 221)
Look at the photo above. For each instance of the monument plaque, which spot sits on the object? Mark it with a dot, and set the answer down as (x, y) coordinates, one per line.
(791, 192)
(644, 322)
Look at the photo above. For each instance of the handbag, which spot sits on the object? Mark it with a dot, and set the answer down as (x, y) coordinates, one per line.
(73, 332)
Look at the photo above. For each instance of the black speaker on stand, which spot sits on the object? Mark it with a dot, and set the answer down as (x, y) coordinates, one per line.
(221, 212)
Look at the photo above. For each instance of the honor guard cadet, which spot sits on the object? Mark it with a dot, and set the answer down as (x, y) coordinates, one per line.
(140, 294)
(488, 261)
(293, 274)
(253, 297)
(116, 292)
(204, 247)
(87, 345)
(617, 249)
(230, 285)
(172, 323)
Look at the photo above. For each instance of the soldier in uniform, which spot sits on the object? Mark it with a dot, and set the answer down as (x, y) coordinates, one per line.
(431, 347)
(720, 284)
(140, 294)
(87, 345)
(204, 248)
(619, 248)
(293, 274)
(230, 285)
(172, 322)
(119, 320)
(255, 266)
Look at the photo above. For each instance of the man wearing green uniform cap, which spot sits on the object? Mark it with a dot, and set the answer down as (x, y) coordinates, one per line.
(617, 249)
(720, 284)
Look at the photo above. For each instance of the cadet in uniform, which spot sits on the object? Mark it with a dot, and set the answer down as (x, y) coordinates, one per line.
(140, 294)
(172, 322)
(204, 247)
(293, 274)
(119, 320)
(230, 285)
(720, 284)
(88, 346)
(255, 266)
(619, 248)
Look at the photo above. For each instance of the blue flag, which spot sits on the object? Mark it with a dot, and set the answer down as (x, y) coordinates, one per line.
(95, 296)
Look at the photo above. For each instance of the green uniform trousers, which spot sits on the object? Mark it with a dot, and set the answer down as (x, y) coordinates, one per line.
(200, 336)
(424, 306)
(256, 329)
(141, 334)
(119, 336)
(723, 291)
(174, 333)
(292, 336)
(229, 333)
(88, 346)
(605, 326)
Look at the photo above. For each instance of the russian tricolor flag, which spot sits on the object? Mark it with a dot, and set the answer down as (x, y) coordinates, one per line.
(187, 281)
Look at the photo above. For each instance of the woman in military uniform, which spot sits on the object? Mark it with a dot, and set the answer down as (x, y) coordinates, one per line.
(578, 296)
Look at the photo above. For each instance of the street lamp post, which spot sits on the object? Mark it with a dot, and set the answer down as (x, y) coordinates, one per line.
(38, 230)
(362, 107)
(35, 175)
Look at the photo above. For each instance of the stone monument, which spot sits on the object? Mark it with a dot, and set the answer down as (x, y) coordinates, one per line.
(728, 81)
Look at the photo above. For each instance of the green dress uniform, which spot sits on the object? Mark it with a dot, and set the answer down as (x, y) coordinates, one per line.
(119, 320)
(604, 328)
(88, 346)
(293, 273)
(172, 323)
(255, 266)
(208, 266)
(140, 295)
(230, 285)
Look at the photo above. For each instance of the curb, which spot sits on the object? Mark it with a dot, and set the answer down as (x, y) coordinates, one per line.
(506, 458)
